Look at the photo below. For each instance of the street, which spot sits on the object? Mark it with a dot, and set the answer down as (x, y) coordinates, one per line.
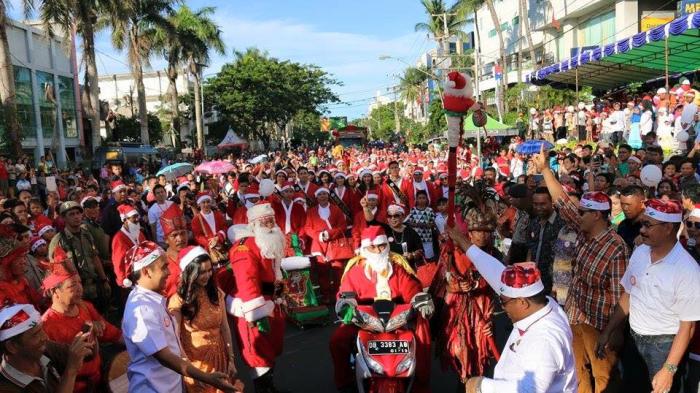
(305, 365)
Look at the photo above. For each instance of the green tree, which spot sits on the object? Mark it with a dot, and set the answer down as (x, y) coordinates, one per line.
(443, 22)
(128, 129)
(382, 121)
(133, 24)
(436, 118)
(412, 85)
(256, 91)
(306, 130)
(84, 16)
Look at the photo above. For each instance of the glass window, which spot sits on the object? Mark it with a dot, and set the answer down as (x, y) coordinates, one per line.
(47, 103)
(25, 104)
(68, 115)
(599, 30)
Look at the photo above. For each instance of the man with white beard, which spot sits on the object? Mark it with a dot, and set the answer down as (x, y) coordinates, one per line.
(253, 287)
(378, 274)
(128, 236)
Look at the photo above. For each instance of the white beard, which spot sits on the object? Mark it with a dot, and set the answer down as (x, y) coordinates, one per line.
(249, 205)
(271, 242)
(379, 263)
(134, 230)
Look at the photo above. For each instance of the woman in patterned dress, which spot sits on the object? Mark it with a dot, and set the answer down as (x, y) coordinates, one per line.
(422, 219)
(199, 307)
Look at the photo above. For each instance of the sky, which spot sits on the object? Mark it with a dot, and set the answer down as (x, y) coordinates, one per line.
(345, 38)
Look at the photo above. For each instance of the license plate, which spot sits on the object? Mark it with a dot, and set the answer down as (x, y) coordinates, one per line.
(387, 347)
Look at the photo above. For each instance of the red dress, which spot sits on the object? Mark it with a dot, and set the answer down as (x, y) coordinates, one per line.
(291, 220)
(62, 329)
(202, 231)
(250, 281)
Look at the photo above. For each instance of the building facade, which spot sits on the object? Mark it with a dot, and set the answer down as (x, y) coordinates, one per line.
(47, 100)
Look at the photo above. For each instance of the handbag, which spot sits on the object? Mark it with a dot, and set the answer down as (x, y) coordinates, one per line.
(339, 249)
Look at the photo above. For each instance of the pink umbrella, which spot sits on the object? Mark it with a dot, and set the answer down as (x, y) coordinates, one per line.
(215, 167)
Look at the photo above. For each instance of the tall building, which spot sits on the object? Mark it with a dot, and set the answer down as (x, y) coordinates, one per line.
(47, 102)
(560, 29)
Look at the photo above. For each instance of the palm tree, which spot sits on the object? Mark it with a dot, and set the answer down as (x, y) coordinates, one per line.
(412, 85)
(188, 43)
(130, 20)
(525, 20)
(443, 22)
(81, 16)
(7, 78)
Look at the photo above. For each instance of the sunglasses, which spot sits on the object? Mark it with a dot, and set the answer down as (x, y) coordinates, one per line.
(693, 224)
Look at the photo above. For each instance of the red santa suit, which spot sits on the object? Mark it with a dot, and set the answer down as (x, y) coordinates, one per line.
(250, 287)
(122, 242)
(290, 218)
(172, 219)
(331, 220)
(388, 196)
(400, 286)
(238, 210)
(411, 187)
(348, 197)
(205, 227)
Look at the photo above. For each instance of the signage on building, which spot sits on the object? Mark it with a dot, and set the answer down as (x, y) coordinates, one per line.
(688, 6)
(651, 19)
(333, 123)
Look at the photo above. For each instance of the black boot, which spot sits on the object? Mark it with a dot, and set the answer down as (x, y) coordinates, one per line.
(266, 384)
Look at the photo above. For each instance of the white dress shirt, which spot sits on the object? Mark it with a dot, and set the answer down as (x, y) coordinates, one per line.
(538, 356)
(149, 328)
(662, 293)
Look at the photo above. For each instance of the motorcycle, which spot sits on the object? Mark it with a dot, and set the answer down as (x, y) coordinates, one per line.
(385, 360)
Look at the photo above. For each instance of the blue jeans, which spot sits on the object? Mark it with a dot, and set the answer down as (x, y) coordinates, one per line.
(654, 350)
(692, 377)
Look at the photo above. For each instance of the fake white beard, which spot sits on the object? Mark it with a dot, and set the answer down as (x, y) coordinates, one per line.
(377, 262)
(270, 241)
(249, 205)
(134, 230)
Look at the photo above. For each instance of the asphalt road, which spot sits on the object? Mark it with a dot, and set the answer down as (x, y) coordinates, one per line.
(306, 366)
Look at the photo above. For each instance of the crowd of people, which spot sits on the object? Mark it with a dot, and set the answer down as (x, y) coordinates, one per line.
(591, 250)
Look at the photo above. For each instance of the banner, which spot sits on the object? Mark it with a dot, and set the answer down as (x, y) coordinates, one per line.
(657, 18)
(688, 6)
(333, 123)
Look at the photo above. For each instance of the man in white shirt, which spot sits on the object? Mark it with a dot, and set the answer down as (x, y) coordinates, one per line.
(151, 333)
(156, 210)
(617, 123)
(538, 356)
(661, 297)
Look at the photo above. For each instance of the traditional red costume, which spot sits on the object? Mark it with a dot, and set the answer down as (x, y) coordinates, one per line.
(203, 231)
(122, 242)
(172, 220)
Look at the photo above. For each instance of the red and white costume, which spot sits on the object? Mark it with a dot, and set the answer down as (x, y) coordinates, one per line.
(237, 211)
(207, 226)
(123, 241)
(290, 218)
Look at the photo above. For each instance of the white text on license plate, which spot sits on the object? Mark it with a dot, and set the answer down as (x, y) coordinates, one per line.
(387, 347)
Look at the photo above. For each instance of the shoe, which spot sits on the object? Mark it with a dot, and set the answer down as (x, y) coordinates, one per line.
(348, 389)
(265, 384)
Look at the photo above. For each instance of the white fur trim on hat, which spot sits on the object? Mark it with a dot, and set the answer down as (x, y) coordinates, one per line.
(372, 195)
(131, 213)
(393, 209)
(203, 198)
(665, 217)
(148, 259)
(191, 256)
(259, 211)
(320, 190)
(381, 239)
(251, 195)
(9, 312)
(340, 174)
(183, 185)
(45, 229)
(695, 213)
(37, 244)
(594, 205)
(492, 269)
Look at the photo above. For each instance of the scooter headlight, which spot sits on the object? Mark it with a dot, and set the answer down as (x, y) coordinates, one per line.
(371, 363)
(408, 363)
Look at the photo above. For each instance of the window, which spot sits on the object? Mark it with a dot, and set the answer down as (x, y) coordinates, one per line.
(516, 20)
(25, 103)
(68, 112)
(47, 103)
(597, 31)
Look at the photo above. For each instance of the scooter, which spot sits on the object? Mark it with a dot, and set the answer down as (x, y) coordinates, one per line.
(386, 345)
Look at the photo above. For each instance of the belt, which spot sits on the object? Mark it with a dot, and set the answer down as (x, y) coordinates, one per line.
(267, 288)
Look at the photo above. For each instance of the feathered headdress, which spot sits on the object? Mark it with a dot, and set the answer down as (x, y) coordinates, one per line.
(478, 204)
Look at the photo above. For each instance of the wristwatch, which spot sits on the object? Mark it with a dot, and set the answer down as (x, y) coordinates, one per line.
(672, 368)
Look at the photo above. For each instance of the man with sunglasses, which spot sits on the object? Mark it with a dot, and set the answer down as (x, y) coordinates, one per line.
(538, 355)
(661, 297)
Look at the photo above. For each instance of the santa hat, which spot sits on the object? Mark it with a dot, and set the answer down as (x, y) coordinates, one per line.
(172, 220)
(44, 227)
(203, 196)
(188, 254)
(87, 198)
(635, 159)
(695, 212)
(320, 190)
(126, 211)
(281, 172)
(372, 193)
(364, 171)
(139, 257)
(372, 236)
(417, 170)
(58, 274)
(17, 319)
(287, 186)
(183, 185)
(340, 174)
(36, 243)
(117, 186)
(260, 211)
(595, 201)
(395, 208)
(520, 280)
(253, 191)
(666, 211)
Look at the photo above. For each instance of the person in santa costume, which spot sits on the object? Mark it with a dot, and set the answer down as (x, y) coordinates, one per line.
(128, 236)
(392, 188)
(369, 215)
(175, 233)
(377, 274)
(346, 196)
(290, 217)
(14, 287)
(305, 186)
(538, 355)
(253, 285)
(325, 226)
(208, 226)
(238, 211)
(410, 188)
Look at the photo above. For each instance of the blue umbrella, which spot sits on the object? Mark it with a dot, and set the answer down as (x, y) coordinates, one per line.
(533, 146)
(176, 170)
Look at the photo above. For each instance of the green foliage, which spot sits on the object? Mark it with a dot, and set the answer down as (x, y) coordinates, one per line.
(463, 62)
(128, 129)
(455, 18)
(256, 90)
(520, 98)
(382, 122)
(436, 118)
(306, 130)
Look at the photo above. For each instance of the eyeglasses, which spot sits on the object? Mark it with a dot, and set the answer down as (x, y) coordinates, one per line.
(693, 224)
(395, 215)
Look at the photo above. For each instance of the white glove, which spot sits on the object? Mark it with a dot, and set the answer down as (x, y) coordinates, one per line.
(423, 303)
(342, 303)
(323, 236)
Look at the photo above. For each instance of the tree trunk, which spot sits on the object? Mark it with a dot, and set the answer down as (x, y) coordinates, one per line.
(198, 115)
(140, 87)
(477, 56)
(528, 33)
(501, 48)
(93, 93)
(7, 89)
(174, 102)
